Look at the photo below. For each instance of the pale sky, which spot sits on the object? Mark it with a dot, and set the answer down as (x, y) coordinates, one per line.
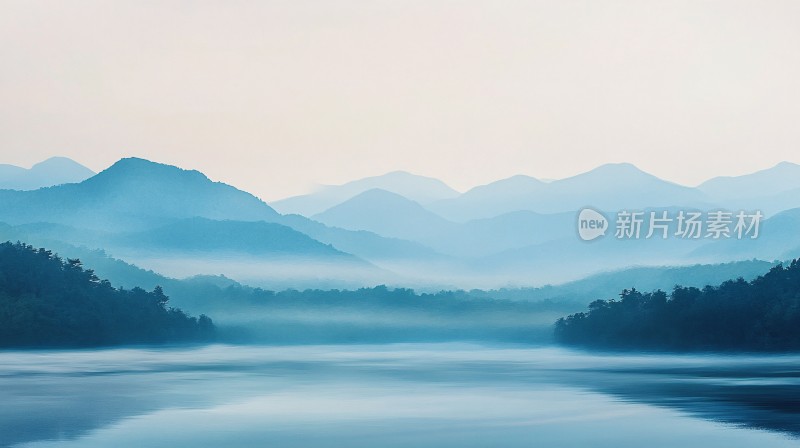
(275, 96)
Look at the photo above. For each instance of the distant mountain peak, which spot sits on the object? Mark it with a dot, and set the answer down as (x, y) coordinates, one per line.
(622, 168)
(398, 173)
(378, 197)
(138, 163)
(417, 188)
(50, 172)
(133, 161)
(780, 178)
(785, 166)
(779, 168)
(611, 186)
(514, 185)
(522, 178)
(58, 161)
(135, 193)
(138, 167)
(614, 174)
(514, 178)
(380, 193)
(383, 212)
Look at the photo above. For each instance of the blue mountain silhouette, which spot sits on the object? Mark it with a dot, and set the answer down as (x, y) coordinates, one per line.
(53, 171)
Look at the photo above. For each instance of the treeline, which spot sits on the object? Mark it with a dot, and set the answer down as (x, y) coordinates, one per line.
(47, 301)
(760, 315)
(375, 315)
(377, 297)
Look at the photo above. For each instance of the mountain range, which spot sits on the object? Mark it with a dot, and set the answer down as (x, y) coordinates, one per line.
(416, 188)
(608, 187)
(137, 207)
(392, 215)
(130, 195)
(395, 229)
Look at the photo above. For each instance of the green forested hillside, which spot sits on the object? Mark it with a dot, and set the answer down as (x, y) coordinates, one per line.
(47, 301)
(762, 314)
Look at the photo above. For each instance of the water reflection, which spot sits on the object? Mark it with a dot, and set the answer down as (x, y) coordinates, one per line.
(394, 395)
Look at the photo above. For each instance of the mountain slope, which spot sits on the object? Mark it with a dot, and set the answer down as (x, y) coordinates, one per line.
(494, 199)
(416, 188)
(257, 238)
(53, 171)
(608, 187)
(568, 257)
(771, 191)
(391, 215)
(778, 239)
(48, 301)
(386, 214)
(481, 237)
(782, 177)
(133, 194)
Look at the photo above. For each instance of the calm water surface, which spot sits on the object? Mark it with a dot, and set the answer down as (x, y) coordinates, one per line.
(421, 395)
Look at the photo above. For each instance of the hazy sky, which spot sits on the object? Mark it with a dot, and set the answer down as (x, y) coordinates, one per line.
(274, 96)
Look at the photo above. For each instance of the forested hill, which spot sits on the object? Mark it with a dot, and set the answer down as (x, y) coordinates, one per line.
(760, 315)
(46, 301)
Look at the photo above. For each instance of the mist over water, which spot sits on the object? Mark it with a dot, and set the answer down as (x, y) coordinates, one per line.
(438, 395)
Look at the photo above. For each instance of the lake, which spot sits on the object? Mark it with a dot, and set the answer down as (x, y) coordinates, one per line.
(396, 395)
